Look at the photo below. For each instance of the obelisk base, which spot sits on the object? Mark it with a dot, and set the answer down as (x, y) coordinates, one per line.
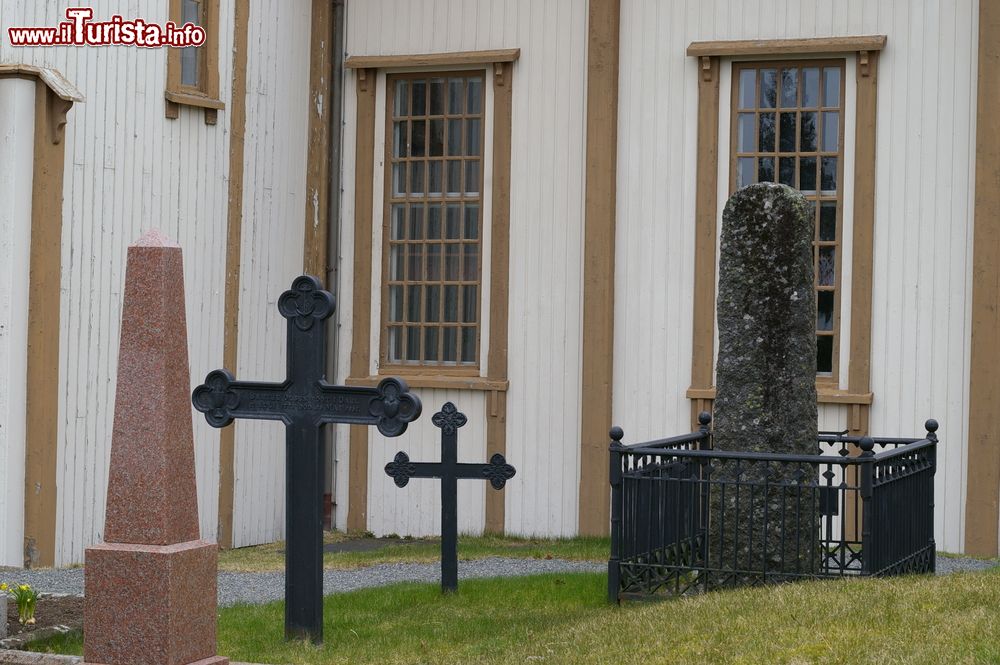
(151, 604)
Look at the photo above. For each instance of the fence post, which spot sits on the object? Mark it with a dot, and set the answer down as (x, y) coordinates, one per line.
(615, 477)
(704, 420)
(932, 426)
(867, 464)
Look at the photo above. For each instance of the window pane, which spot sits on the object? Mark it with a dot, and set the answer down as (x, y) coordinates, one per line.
(831, 131)
(472, 177)
(395, 303)
(451, 257)
(470, 262)
(827, 271)
(190, 13)
(789, 87)
(766, 132)
(399, 179)
(414, 262)
(395, 344)
(432, 309)
(766, 169)
(434, 221)
(807, 132)
(419, 98)
(831, 86)
(401, 98)
(451, 303)
(418, 185)
(828, 177)
(475, 87)
(472, 139)
(454, 136)
(437, 137)
(396, 257)
(470, 306)
(418, 138)
(453, 225)
(430, 343)
(828, 220)
(824, 310)
(434, 177)
(455, 97)
(786, 171)
(413, 343)
(413, 304)
(745, 133)
(748, 81)
(787, 133)
(471, 221)
(468, 345)
(399, 139)
(744, 171)
(397, 226)
(450, 344)
(807, 174)
(768, 88)
(433, 262)
(453, 186)
(417, 221)
(824, 353)
(810, 87)
(437, 96)
(189, 66)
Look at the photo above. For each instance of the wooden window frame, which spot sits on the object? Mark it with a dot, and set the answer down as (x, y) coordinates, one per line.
(824, 380)
(858, 394)
(457, 367)
(206, 94)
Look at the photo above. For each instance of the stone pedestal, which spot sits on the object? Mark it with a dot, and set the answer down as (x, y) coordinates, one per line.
(151, 588)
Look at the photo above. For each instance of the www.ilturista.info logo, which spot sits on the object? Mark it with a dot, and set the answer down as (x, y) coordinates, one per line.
(80, 30)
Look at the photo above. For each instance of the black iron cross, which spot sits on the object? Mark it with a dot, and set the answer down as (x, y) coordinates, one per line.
(497, 471)
(305, 402)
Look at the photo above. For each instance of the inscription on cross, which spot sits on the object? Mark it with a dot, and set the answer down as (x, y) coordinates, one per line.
(449, 470)
(305, 402)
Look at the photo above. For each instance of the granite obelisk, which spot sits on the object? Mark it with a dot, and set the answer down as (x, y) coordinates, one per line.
(151, 586)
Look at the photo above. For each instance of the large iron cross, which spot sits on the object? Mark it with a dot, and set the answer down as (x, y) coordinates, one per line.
(305, 402)
(497, 471)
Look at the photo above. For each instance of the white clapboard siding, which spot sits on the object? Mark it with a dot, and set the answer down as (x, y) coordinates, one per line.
(272, 246)
(128, 169)
(415, 510)
(546, 224)
(923, 226)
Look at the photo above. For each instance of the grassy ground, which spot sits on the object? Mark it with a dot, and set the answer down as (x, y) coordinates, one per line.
(272, 557)
(564, 619)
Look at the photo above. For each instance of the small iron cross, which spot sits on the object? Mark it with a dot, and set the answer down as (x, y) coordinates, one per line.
(497, 471)
(305, 402)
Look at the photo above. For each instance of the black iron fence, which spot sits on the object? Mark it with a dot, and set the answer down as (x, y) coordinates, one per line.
(686, 517)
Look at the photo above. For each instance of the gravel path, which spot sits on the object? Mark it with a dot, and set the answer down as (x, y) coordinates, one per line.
(266, 587)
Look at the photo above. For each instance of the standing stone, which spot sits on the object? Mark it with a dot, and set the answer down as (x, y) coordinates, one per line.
(766, 371)
(151, 586)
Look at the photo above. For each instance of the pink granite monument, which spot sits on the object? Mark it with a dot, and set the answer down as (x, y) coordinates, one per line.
(151, 586)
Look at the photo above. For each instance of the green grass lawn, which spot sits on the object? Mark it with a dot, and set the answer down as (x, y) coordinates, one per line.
(272, 557)
(564, 619)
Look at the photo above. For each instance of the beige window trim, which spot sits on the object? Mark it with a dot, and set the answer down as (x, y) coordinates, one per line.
(493, 377)
(858, 393)
(206, 94)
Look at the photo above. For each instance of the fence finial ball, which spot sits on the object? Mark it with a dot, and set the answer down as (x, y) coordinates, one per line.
(617, 434)
(867, 444)
(931, 425)
(704, 417)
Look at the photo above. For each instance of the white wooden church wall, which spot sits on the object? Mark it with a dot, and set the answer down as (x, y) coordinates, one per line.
(272, 243)
(923, 225)
(546, 241)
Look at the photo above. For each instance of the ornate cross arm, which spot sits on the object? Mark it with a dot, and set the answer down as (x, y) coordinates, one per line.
(497, 471)
(390, 406)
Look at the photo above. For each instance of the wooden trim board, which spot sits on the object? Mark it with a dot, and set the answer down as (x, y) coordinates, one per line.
(432, 59)
(982, 510)
(769, 47)
(599, 264)
(317, 213)
(234, 233)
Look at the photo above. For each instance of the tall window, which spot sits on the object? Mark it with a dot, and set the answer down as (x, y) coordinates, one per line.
(788, 127)
(432, 268)
(192, 57)
(193, 71)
